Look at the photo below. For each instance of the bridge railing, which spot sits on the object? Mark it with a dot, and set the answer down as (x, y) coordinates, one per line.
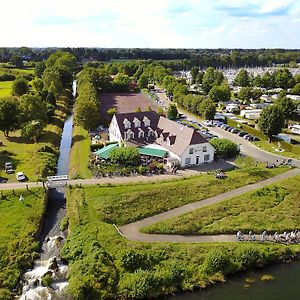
(57, 178)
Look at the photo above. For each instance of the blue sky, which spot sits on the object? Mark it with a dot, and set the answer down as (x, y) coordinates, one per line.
(152, 24)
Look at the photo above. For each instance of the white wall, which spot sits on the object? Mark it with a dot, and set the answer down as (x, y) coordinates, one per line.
(114, 131)
(197, 151)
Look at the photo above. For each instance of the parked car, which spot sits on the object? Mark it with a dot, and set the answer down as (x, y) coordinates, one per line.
(242, 133)
(9, 168)
(246, 136)
(228, 128)
(234, 130)
(20, 176)
(223, 126)
(208, 123)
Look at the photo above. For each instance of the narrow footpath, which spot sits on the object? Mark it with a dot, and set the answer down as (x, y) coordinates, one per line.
(132, 231)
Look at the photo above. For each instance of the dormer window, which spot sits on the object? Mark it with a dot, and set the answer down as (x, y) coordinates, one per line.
(146, 121)
(150, 132)
(141, 133)
(126, 123)
(137, 122)
(129, 135)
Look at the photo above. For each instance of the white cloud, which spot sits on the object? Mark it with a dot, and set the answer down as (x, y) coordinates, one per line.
(140, 23)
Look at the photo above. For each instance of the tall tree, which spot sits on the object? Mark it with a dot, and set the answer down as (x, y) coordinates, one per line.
(220, 93)
(207, 109)
(172, 112)
(32, 107)
(86, 114)
(271, 121)
(17, 61)
(9, 115)
(287, 106)
(242, 78)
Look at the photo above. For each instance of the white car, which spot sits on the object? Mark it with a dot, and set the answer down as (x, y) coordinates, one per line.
(20, 176)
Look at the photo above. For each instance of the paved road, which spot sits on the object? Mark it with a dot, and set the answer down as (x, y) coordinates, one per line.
(245, 146)
(221, 164)
(132, 231)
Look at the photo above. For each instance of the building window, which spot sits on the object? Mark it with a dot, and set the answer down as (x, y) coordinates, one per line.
(204, 148)
(188, 161)
(191, 151)
(206, 157)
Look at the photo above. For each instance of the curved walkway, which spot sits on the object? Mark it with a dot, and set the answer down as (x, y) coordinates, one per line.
(132, 231)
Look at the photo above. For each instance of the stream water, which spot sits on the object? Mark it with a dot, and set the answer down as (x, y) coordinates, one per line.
(51, 237)
(249, 286)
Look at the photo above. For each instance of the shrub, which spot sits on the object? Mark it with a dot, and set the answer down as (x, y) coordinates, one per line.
(138, 285)
(217, 261)
(125, 156)
(225, 148)
(248, 257)
(47, 279)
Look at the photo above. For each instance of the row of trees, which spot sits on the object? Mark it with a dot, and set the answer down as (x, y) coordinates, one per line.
(281, 78)
(175, 58)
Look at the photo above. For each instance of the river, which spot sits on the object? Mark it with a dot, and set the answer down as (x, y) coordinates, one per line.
(51, 236)
(285, 285)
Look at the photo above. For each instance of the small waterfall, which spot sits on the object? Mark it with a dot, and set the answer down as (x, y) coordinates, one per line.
(51, 237)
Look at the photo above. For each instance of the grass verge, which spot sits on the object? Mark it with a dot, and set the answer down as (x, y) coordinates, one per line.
(123, 204)
(272, 208)
(19, 222)
(80, 153)
(5, 88)
(36, 160)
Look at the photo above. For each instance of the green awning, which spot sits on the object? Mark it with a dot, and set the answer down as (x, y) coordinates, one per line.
(152, 152)
(105, 151)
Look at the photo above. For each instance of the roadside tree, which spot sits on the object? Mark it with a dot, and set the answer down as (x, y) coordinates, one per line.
(271, 121)
(207, 109)
(9, 115)
(172, 112)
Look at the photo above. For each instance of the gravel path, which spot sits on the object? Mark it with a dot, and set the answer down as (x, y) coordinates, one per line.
(132, 231)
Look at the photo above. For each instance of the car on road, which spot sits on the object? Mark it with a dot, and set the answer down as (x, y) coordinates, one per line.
(9, 168)
(20, 176)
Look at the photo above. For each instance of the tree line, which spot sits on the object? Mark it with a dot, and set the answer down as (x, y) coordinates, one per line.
(179, 58)
(33, 104)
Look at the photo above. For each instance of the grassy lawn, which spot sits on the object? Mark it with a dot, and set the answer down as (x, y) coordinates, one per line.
(80, 153)
(19, 221)
(105, 265)
(273, 208)
(270, 147)
(124, 204)
(27, 157)
(5, 88)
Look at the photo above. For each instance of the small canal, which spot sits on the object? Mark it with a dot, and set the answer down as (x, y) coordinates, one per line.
(51, 236)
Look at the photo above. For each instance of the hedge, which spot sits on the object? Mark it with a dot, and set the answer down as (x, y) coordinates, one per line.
(247, 129)
(286, 146)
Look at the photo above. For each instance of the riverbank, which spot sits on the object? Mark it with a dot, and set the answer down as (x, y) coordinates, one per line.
(21, 213)
(129, 269)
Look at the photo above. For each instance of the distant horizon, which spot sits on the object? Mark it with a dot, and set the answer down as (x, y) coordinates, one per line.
(163, 24)
(150, 48)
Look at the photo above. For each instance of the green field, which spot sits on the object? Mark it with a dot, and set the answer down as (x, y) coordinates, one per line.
(27, 157)
(270, 147)
(80, 153)
(105, 265)
(127, 203)
(5, 88)
(273, 208)
(19, 221)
